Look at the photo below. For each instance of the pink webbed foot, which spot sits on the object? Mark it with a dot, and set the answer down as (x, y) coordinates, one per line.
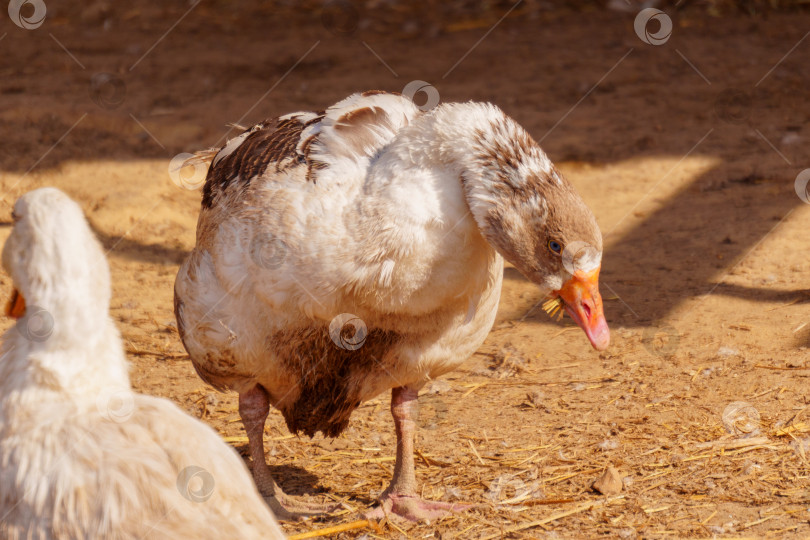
(414, 508)
(400, 500)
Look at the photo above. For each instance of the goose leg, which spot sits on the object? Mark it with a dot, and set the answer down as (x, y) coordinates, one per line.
(400, 498)
(254, 405)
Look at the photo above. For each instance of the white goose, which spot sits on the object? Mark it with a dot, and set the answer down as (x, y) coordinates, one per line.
(347, 252)
(81, 455)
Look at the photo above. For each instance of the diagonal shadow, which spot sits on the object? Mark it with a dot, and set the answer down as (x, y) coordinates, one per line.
(128, 248)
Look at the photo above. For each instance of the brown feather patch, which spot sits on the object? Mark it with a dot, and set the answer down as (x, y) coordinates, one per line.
(272, 142)
(368, 93)
(360, 128)
(330, 378)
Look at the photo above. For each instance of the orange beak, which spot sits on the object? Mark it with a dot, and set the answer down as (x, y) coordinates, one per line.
(16, 306)
(583, 303)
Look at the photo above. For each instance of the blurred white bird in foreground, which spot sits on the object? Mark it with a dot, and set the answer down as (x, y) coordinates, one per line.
(81, 455)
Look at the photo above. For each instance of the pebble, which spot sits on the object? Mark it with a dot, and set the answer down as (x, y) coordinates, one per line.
(610, 483)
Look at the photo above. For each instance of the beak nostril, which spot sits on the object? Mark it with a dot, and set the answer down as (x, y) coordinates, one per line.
(587, 309)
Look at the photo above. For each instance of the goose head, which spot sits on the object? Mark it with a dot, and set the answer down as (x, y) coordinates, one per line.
(529, 213)
(60, 276)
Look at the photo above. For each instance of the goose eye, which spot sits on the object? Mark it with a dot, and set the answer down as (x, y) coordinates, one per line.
(14, 217)
(555, 246)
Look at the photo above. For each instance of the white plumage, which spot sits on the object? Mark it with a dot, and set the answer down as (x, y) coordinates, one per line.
(81, 455)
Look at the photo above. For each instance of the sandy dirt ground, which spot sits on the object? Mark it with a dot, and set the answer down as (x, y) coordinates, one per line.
(688, 152)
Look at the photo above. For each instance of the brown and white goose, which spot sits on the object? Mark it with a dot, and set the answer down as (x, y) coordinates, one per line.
(347, 252)
(81, 454)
